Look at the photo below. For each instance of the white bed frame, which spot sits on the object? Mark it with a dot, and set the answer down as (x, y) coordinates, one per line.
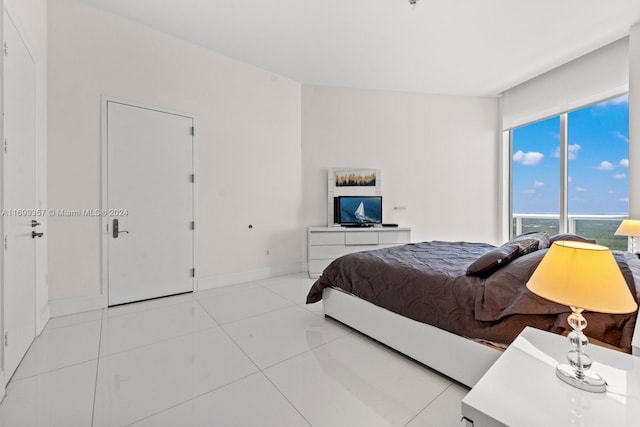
(459, 358)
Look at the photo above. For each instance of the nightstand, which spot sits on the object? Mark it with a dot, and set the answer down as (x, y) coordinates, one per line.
(521, 388)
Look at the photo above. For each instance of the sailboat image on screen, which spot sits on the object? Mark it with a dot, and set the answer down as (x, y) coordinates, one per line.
(358, 210)
(360, 216)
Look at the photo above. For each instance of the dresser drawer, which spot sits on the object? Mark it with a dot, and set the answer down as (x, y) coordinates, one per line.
(362, 238)
(394, 237)
(327, 238)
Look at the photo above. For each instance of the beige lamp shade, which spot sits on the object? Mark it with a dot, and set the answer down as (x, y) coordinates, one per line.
(582, 275)
(629, 227)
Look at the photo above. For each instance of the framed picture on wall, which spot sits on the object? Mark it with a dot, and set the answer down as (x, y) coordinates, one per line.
(355, 177)
(351, 182)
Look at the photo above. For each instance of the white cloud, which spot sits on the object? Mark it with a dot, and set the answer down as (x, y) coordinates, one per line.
(620, 176)
(620, 135)
(624, 199)
(531, 158)
(538, 184)
(572, 151)
(624, 162)
(530, 191)
(622, 99)
(570, 179)
(581, 189)
(605, 166)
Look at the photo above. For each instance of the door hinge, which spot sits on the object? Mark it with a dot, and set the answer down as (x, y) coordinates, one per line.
(6, 242)
(193, 272)
(193, 178)
(193, 131)
(6, 49)
(6, 339)
(6, 145)
(193, 225)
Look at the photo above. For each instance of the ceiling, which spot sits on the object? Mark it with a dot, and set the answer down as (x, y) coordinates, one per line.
(460, 47)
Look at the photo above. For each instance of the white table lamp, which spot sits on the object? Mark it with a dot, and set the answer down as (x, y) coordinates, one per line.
(630, 228)
(583, 276)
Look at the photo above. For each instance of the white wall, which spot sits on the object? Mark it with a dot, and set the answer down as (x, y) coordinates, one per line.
(258, 134)
(248, 135)
(31, 17)
(438, 156)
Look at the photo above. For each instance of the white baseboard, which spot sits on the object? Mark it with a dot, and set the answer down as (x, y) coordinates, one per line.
(64, 306)
(220, 280)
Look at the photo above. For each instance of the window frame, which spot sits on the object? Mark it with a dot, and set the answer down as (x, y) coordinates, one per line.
(507, 135)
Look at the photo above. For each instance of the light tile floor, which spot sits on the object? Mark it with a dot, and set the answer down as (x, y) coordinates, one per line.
(244, 355)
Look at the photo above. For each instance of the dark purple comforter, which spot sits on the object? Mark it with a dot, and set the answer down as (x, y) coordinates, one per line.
(427, 282)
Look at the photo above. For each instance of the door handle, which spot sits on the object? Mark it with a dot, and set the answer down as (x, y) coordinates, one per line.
(34, 234)
(34, 223)
(116, 229)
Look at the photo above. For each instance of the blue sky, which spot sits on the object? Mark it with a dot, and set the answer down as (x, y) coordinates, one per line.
(598, 162)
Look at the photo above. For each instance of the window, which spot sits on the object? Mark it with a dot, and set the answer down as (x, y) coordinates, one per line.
(535, 177)
(592, 196)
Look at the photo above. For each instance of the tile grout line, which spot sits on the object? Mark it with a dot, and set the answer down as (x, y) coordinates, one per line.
(13, 379)
(258, 369)
(261, 370)
(234, 342)
(428, 404)
(286, 398)
(301, 305)
(291, 304)
(281, 296)
(159, 341)
(253, 316)
(52, 370)
(53, 328)
(216, 325)
(305, 351)
(95, 386)
(193, 398)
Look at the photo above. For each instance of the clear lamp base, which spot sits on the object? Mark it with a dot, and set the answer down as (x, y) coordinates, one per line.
(591, 382)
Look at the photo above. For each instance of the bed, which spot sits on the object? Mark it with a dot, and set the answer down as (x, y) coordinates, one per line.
(454, 306)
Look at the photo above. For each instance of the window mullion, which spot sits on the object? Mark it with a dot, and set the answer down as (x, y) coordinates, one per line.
(564, 175)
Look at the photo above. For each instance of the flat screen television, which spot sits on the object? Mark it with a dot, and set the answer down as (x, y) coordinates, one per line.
(357, 210)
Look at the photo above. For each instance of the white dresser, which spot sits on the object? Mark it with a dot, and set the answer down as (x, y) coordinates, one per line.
(328, 243)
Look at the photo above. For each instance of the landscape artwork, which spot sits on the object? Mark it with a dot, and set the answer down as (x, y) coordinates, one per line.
(356, 178)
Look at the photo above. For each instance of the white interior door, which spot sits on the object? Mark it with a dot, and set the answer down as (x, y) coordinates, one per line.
(150, 196)
(19, 196)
